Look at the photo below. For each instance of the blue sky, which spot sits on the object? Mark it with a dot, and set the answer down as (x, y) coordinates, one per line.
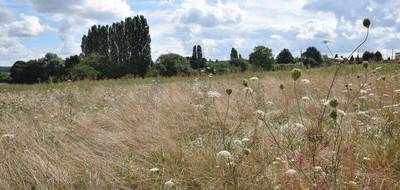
(30, 28)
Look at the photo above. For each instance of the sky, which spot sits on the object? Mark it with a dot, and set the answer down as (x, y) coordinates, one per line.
(31, 28)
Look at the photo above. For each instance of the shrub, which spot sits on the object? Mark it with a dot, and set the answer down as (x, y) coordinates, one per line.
(83, 71)
(172, 65)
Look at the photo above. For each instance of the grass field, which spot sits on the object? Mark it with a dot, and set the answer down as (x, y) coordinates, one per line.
(189, 133)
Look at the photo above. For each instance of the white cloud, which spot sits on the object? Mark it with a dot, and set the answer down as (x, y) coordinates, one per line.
(5, 14)
(199, 12)
(76, 16)
(29, 26)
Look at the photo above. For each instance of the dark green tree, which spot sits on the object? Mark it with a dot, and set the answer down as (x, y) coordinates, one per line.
(262, 58)
(368, 56)
(285, 57)
(197, 61)
(378, 56)
(234, 54)
(313, 53)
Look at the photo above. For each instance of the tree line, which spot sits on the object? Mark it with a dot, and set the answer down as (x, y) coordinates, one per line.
(123, 49)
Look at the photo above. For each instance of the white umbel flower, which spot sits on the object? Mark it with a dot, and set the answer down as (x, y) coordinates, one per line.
(8, 136)
(245, 140)
(260, 114)
(224, 156)
(306, 98)
(154, 170)
(213, 94)
(254, 78)
(305, 81)
(291, 172)
(169, 184)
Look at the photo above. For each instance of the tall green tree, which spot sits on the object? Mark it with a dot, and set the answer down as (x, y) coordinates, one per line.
(126, 44)
(285, 57)
(313, 53)
(378, 56)
(197, 61)
(234, 54)
(262, 57)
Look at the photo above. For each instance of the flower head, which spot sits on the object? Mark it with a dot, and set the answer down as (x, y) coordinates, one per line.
(291, 172)
(254, 78)
(224, 156)
(296, 74)
(367, 23)
(8, 136)
(260, 114)
(155, 170)
(169, 184)
(305, 81)
(213, 94)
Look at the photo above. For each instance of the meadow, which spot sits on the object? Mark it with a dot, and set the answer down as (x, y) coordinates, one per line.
(262, 130)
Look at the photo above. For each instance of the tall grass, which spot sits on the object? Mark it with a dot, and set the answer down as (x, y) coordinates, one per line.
(175, 134)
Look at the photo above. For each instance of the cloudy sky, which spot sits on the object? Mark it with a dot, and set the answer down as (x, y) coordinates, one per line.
(30, 28)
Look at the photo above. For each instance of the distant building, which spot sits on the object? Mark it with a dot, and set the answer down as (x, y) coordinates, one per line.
(397, 58)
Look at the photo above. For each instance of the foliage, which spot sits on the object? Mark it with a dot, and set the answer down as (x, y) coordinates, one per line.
(285, 57)
(172, 65)
(27, 72)
(126, 44)
(83, 71)
(234, 54)
(262, 58)
(197, 61)
(5, 77)
(313, 53)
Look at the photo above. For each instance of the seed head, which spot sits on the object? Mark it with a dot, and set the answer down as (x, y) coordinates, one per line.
(245, 83)
(367, 23)
(365, 64)
(296, 74)
(281, 87)
(333, 115)
(229, 91)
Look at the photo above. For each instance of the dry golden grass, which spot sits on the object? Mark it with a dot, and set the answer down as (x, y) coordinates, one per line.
(110, 136)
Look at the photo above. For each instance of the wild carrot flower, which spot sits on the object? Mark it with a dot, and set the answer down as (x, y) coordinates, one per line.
(305, 81)
(238, 143)
(254, 78)
(248, 90)
(169, 184)
(8, 136)
(260, 114)
(341, 112)
(224, 156)
(291, 172)
(245, 140)
(397, 91)
(306, 98)
(353, 183)
(155, 170)
(213, 94)
(317, 168)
